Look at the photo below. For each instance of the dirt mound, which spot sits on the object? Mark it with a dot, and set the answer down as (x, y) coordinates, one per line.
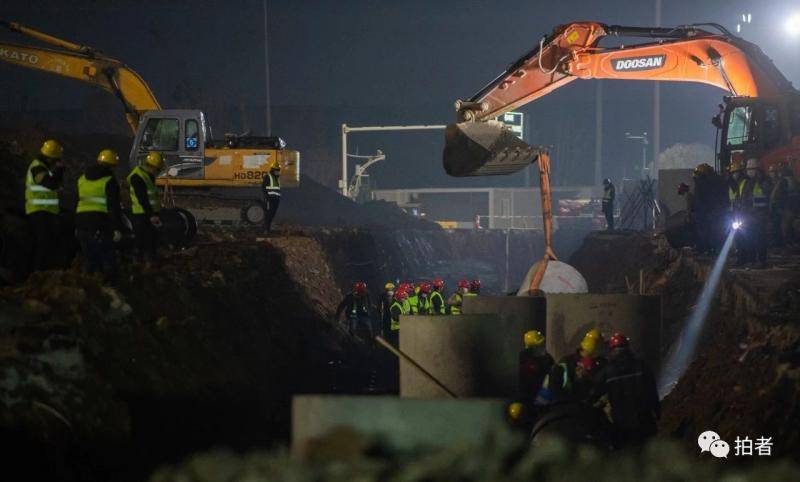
(606, 259)
(204, 350)
(313, 204)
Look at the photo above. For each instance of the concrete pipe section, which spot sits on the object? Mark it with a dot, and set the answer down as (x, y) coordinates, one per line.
(473, 355)
(570, 316)
(400, 424)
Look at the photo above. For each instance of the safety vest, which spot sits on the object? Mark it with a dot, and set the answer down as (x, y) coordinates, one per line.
(424, 306)
(438, 296)
(413, 302)
(273, 186)
(759, 198)
(92, 195)
(152, 191)
(395, 324)
(38, 197)
(471, 294)
(607, 193)
(358, 309)
(735, 194)
(456, 309)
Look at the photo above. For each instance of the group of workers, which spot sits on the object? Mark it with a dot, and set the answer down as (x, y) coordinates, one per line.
(763, 208)
(599, 376)
(423, 298)
(98, 218)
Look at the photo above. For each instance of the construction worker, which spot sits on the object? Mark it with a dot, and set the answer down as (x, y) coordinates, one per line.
(707, 201)
(43, 180)
(456, 300)
(396, 309)
(271, 187)
(413, 298)
(534, 364)
(438, 305)
(754, 202)
(146, 206)
(792, 206)
(737, 178)
(609, 194)
(780, 210)
(356, 305)
(98, 217)
(628, 388)
(560, 383)
(386, 303)
(474, 288)
(425, 290)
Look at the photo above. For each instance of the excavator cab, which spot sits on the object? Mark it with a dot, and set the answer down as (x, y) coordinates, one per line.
(768, 130)
(181, 137)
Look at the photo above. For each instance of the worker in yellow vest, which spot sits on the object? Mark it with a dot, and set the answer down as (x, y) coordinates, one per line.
(754, 202)
(146, 206)
(42, 182)
(438, 305)
(98, 216)
(455, 300)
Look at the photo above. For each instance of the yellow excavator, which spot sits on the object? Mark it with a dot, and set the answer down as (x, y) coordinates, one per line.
(226, 172)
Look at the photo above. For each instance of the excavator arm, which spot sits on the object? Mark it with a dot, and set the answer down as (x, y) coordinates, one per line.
(571, 52)
(85, 64)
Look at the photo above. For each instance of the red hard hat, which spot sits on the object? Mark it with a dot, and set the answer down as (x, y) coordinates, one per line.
(586, 363)
(618, 340)
(360, 288)
(425, 287)
(401, 295)
(475, 284)
(438, 283)
(463, 284)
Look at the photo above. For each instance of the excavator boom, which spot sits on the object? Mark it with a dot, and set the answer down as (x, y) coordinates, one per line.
(682, 54)
(84, 64)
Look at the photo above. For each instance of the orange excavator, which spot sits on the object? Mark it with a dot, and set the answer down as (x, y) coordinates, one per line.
(760, 117)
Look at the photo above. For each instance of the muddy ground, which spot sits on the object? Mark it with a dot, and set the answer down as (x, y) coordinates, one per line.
(745, 378)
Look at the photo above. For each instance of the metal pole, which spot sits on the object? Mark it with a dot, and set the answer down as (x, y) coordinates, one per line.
(344, 160)
(346, 129)
(266, 72)
(657, 104)
(598, 133)
(425, 373)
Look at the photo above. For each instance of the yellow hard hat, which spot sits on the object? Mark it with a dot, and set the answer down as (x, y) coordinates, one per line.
(389, 286)
(52, 149)
(594, 333)
(703, 169)
(589, 347)
(154, 159)
(275, 166)
(109, 157)
(533, 338)
(515, 410)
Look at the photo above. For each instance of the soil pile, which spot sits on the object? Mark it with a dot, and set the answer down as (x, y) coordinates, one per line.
(98, 382)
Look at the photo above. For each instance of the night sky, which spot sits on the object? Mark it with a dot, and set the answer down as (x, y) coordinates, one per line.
(381, 62)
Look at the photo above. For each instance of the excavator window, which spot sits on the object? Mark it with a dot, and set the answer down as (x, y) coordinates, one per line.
(161, 135)
(740, 123)
(192, 137)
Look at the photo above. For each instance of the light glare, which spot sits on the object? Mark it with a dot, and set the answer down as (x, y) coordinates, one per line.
(793, 25)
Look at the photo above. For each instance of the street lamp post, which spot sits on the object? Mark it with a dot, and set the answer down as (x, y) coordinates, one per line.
(645, 143)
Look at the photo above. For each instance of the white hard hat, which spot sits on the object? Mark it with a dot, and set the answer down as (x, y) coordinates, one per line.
(752, 163)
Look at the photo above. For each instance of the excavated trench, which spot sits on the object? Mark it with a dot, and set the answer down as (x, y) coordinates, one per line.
(745, 377)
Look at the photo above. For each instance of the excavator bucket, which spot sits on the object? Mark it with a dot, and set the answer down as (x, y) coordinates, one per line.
(484, 149)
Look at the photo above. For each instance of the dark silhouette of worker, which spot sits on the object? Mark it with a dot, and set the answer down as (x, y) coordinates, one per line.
(627, 389)
(609, 194)
(709, 203)
(534, 365)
